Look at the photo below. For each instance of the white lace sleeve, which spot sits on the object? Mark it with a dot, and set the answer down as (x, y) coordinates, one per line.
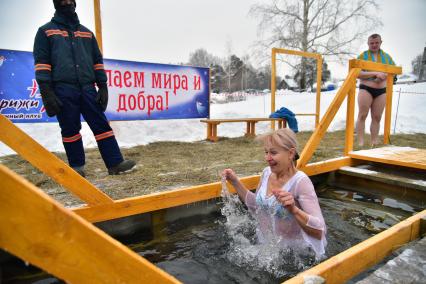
(308, 201)
(250, 198)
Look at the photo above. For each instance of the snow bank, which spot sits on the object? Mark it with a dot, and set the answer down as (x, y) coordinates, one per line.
(409, 119)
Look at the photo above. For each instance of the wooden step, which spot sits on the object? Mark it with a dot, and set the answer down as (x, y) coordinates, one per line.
(397, 178)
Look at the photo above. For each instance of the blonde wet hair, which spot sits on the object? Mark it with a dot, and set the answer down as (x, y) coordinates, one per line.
(284, 138)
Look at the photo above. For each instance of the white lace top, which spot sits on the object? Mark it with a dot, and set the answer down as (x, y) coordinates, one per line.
(276, 220)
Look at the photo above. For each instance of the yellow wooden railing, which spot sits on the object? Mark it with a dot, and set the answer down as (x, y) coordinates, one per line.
(48, 163)
(319, 59)
(348, 89)
(346, 265)
(40, 231)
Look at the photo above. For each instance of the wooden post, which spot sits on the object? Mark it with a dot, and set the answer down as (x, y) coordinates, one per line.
(209, 131)
(214, 131)
(98, 23)
(319, 83)
(253, 128)
(273, 83)
(388, 109)
(350, 112)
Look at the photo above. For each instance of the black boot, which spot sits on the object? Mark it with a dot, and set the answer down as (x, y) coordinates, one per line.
(80, 170)
(122, 167)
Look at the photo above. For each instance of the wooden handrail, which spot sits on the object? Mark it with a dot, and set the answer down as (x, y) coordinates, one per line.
(349, 263)
(51, 165)
(373, 66)
(319, 131)
(156, 201)
(37, 229)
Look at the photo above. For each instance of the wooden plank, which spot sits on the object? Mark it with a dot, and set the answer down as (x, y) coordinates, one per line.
(319, 131)
(98, 22)
(373, 66)
(225, 120)
(250, 127)
(400, 156)
(388, 109)
(40, 231)
(306, 114)
(214, 132)
(273, 83)
(209, 131)
(248, 131)
(297, 52)
(162, 200)
(367, 175)
(51, 165)
(350, 113)
(326, 166)
(156, 201)
(347, 264)
(318, 98)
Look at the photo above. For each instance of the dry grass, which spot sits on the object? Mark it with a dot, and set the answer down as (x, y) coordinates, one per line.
(168, 165)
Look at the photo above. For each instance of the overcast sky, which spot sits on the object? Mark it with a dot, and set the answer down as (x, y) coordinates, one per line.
(167, 31)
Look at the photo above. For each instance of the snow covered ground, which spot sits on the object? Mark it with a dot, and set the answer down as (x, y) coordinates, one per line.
(411, 118)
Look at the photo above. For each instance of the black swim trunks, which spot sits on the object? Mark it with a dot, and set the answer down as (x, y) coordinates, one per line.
(374, 92)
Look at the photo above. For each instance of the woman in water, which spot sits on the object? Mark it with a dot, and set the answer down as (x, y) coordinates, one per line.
(285, 203)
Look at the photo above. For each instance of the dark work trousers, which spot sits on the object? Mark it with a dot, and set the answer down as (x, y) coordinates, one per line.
(77, 101)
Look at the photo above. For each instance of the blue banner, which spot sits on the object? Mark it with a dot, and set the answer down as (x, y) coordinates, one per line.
(137, 90)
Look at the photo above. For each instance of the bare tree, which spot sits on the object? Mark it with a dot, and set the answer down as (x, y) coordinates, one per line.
(328, 27)
(416, 65)
(202, 58)
(419, 66)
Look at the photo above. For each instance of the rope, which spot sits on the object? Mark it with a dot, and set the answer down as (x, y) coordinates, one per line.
(397, 107)
(415, 93)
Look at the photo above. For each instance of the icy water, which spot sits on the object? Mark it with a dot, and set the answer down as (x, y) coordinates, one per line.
(222, 248)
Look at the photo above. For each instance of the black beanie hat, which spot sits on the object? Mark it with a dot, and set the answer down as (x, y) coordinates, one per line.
(57, 3)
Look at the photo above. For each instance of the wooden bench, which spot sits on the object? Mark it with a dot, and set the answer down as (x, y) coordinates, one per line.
(250, 130)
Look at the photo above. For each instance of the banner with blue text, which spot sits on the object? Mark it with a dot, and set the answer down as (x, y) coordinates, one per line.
(137, 90)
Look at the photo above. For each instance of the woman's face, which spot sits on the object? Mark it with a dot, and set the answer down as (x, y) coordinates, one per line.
(278, 158)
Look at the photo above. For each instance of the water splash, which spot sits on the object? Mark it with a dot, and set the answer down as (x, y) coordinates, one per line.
(273, 255)
(237, 219)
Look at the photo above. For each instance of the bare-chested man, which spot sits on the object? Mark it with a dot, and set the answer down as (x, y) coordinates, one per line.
(372, 90)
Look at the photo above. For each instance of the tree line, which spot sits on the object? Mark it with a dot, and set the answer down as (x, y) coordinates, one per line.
(332, 28)
(234, 73)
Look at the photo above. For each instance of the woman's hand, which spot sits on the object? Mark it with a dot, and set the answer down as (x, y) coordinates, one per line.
(230, 175)
(286, 199)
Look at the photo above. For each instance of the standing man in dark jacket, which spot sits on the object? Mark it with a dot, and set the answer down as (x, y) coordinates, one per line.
(68, 64)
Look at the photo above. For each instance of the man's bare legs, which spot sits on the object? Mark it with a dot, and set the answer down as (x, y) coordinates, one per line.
(377, 108)
(365, 101)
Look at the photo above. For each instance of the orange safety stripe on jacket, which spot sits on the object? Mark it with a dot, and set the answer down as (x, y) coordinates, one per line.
(98, 66)
(82, 34)
(39, 67)
(56, 32)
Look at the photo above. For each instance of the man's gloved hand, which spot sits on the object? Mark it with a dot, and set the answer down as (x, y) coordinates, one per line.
(102, 97)
(50, 101)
